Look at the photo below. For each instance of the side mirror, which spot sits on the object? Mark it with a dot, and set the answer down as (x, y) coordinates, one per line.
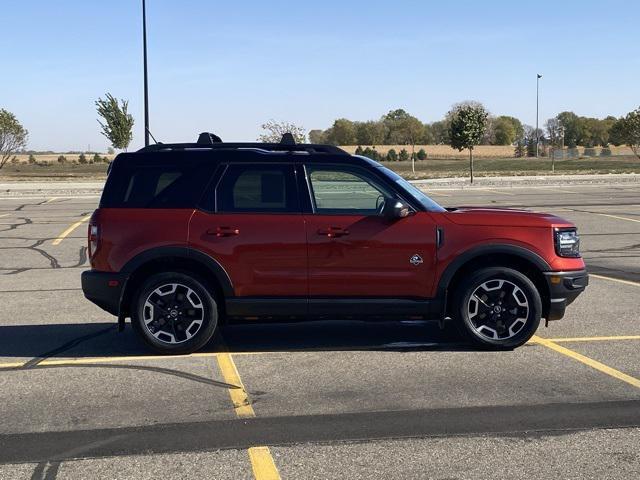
(396, 209)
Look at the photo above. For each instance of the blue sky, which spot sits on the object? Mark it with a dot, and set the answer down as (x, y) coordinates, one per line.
(227, 67)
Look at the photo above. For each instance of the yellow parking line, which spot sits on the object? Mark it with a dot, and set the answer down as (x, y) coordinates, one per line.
(262, 464)
(5, 215)
(230, 366)
(431, 192)
(601, 367)
(626, 282)
(69, 230)
(52, 199)
(619, 218)
(129, 358)
(594, 339)
(238, 395)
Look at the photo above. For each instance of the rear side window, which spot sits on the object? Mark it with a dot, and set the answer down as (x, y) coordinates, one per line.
(156, 186)
(258, 189)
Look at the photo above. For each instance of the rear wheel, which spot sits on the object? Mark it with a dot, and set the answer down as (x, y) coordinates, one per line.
(174, 313)
(498, 308)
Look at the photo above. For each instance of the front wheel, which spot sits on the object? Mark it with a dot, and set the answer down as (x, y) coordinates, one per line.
(174, 313)
(498, 308)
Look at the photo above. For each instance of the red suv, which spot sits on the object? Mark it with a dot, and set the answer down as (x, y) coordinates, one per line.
(187, 236)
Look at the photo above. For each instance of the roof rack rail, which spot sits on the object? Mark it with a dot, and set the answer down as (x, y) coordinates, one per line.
(209, 141)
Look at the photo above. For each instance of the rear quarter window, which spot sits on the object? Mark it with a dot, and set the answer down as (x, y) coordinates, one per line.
(138, 184)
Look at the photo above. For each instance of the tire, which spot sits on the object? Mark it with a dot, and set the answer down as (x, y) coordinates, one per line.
(167, 329)
(497, 308)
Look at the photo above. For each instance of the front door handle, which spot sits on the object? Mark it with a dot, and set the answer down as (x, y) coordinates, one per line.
(333, 232)
(224, 231)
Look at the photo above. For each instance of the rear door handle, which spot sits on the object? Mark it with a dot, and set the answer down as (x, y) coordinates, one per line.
(333, 232)
(224, 231)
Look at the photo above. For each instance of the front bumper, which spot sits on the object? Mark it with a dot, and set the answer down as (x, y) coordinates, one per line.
(564, 288)
(104, 289)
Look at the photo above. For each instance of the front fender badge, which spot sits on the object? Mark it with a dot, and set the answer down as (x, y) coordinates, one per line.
(415, 260)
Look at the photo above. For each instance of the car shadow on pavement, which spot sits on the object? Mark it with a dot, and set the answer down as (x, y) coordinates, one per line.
(33, 343)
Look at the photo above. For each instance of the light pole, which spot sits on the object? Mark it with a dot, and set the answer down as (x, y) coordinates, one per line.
(146, 86)
(538, 77)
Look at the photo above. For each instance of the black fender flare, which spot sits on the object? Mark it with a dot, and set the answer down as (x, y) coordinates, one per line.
(210, 263)
(476, 252)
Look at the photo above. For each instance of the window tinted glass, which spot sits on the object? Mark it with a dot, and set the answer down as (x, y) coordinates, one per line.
(156, 186)
(258, 188)
(413, 191)
(342, 191)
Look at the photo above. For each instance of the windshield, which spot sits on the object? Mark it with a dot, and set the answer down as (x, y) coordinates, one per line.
(417, 194)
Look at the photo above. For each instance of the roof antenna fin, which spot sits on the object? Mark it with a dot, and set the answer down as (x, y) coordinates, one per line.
(287, 139)
(154, 138)
(206, 138)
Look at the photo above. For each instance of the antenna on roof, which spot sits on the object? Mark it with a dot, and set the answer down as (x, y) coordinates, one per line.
(206, 138)
(287, 139)
(149, 132)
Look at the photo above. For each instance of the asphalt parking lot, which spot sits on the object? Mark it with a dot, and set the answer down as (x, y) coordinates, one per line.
(318, 400)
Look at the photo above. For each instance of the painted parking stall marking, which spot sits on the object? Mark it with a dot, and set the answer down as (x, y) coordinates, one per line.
(262, 463)
(612, 372)
(69, 230)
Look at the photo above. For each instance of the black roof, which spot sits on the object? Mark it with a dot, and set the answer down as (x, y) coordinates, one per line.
(209, 141)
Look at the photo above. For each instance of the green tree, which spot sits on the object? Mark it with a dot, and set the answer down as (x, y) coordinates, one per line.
(468, 122)
(631, 129)
(507, 130)
(371, 132)
(273, 132)
(392, 155)
(317, 136)
(440, 132)
(530, 139)
(422, 155)
(342, 132)
(118, 124)
(594, 132)
(13, 136)
(572, 128)
(372, 153)
(617, 133)
(403, 156)
(82, 159)
(403, 129)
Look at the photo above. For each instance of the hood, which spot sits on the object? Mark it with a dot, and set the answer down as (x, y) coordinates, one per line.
(504, 217)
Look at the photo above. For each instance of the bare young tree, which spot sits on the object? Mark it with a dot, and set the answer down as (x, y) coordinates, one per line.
(13, 136)
(274, 131)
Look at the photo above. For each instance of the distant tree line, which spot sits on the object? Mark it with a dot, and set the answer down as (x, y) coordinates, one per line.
(401, 128)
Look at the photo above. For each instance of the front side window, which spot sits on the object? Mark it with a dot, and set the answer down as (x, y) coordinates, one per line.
(343, 191)
(258, 189)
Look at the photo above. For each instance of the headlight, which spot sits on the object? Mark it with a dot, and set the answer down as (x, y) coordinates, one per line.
(567, 242)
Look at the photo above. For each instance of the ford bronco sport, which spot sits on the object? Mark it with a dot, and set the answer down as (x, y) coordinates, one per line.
(190, 235)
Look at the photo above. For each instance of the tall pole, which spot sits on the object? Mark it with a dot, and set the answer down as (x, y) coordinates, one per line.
(538, 77)
(146, 85)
